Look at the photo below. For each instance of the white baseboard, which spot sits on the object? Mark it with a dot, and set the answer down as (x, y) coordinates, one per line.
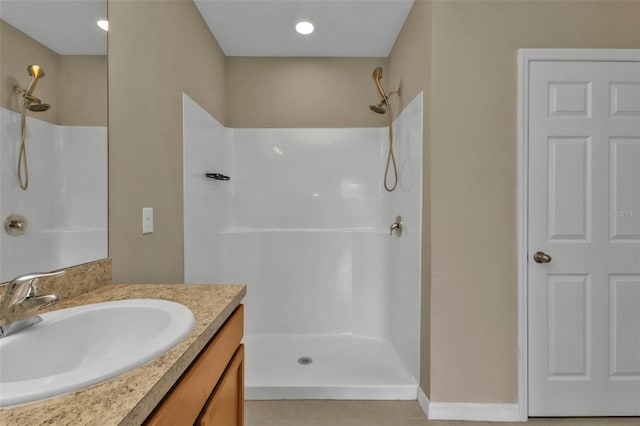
(423, 401)
(473, 411)
(468, 411)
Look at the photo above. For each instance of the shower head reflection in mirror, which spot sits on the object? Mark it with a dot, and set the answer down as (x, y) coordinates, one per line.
(34, 104)
(384, 107)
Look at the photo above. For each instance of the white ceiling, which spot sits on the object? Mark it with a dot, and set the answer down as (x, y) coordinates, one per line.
(357, 28)
(68, 27)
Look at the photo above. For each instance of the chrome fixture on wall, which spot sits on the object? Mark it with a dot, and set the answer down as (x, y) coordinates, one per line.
(396, 227)
(384, 107)
(15, 224)
(31, 103)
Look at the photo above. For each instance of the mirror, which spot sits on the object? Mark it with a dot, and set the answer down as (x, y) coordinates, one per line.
(60, 219)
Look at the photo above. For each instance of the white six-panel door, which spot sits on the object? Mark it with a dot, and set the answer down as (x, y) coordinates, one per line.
(584, 212)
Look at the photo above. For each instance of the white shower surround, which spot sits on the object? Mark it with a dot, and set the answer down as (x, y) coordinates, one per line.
(66, 202)
(304, 222)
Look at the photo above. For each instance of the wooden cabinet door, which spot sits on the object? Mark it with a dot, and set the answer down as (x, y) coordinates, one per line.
(183, 404)
(226, 404)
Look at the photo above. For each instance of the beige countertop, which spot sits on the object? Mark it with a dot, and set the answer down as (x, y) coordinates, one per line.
(130, 397)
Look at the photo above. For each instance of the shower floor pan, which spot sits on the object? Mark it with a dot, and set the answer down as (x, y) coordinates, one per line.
(285, 366)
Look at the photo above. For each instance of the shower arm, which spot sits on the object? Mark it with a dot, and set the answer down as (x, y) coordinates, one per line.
(395, 92)
(31, 98)
(23, 92)
(385, 97)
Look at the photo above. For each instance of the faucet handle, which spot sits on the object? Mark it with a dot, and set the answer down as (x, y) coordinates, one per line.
(22, 287)
(34, 275)
(20, 302)
(396, 227)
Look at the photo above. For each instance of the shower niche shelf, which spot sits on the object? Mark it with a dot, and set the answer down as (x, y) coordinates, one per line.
(217, 176)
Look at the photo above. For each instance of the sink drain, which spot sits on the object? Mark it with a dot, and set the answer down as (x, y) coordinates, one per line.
(305, 360)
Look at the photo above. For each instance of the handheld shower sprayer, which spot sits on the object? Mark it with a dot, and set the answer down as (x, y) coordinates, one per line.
(381, 107)
(384, 107)
(34, 104)
(35, 72)
(377, 76)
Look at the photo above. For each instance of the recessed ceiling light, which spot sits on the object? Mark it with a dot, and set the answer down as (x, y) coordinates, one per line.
(304, 27)
(104, 24)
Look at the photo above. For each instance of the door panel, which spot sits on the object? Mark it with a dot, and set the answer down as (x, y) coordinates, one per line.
(624, 99)
(584, 211)
(569, 188)
(624, 210)
(569, 324)
(624, 297)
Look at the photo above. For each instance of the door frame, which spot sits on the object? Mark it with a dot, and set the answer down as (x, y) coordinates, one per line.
(525, 58)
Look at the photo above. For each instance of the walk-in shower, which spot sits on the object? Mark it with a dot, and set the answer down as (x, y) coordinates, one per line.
(384, 107)
(332, 306)
(34, 104)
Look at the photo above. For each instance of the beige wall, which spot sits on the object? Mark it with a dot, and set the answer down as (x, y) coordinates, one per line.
(74, 86)
(410, 67)
(157, 50)
(82, 90)
(302, 92)
(473, 173)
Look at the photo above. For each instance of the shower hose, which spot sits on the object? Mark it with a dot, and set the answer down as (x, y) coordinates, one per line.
(22, 156)
(391, 159)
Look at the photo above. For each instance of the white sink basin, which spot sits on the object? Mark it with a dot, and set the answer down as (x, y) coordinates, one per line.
(78, 347)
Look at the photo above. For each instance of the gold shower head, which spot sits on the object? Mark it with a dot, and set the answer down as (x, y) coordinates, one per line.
(38, 107)
(379, 109)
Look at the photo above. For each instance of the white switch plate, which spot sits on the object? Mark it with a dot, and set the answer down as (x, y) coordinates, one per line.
(147, 220)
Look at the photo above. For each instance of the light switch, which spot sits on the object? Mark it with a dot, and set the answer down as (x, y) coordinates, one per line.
(147, 220)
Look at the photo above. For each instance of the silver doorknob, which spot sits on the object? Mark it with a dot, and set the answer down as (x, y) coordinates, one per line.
(541, 257)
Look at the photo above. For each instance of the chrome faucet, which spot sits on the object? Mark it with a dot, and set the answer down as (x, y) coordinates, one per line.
(19, 305)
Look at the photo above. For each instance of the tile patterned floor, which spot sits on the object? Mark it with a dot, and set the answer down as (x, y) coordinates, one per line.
(381, 413)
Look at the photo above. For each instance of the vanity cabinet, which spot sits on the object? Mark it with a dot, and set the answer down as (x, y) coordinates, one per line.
(211, 391)
(225, 406)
